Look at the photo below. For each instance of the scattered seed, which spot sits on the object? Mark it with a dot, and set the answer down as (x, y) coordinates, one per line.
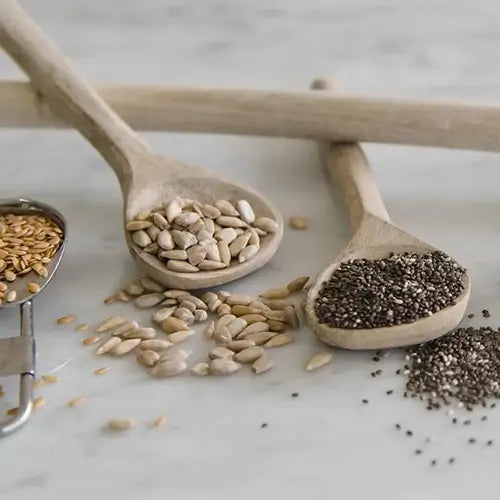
(223, 366)
(175, 352)
(50, 378)
(125, 347)
(148, 358)
(73, 403)
(102, 371)
(471, 315)
(409, 433)
(472, 440)
(486, 313)
(109, 323)
(279, 340)
(364, 401)
(121, 424)
(318, 360)
(180, 336)
(169, 368)
(200, 369)
(263, 425)
(33, 287)
(64, 320)
(240, 345)
(172, 325)
(262, 365)
(451, 460)
(398, 426)
(38, 402)
(298, 222)
(11, 296)
(90, 340)
(260, 338)
(12, 411)
(140, 333)
(489, 442)
(249, 355)
(82, 327)
(221, 352)
(433, 463)
(418, 451)
(108, 345)
(159, 421)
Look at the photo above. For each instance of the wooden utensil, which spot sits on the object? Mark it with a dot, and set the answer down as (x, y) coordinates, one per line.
(147, 180)
(276, 113)
(374, 237)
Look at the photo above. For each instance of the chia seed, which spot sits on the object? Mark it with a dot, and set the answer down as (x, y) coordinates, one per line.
(399, 289)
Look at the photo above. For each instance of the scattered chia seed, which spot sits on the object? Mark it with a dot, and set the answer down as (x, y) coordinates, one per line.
(433, 463)
(263, 425)
(398, 371)
(486, 313)
(471, 315)
(295, 394)
(376, 359)
(467, 422)
(484, 418)
(398, 427)
(454, 420)
(364, 401)
(451, 460)
(462, 366)
(418, 451)
(399, 289)
(409, 433)
(472, 440)
(373, 374)
(389, 392)
(378, 372)
(489, 442)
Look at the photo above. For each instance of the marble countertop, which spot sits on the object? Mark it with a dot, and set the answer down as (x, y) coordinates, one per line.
(323, 442)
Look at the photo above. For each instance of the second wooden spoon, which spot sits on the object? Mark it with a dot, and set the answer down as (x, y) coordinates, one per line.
(147, 180)
(374, 237)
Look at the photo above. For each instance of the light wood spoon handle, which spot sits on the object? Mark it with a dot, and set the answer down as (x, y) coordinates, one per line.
(68, 95)
(350, 171)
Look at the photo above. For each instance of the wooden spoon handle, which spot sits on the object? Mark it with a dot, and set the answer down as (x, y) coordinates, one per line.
(277, 113)
(350, 171)
(65, 91)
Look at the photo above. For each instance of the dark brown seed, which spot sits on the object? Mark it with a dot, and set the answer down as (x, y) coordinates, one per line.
(433, 463)
(471, 315)
(263, 425)
(418, 451)
(389, 392)
(364, 401)
(489, 442)
(295, 394)
(451, 460)
(409, 433)
(398, 427)
(472, 440)
(486, 313)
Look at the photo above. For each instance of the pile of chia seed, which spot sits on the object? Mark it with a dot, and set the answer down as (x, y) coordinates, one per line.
(463, 367)
(399, 289)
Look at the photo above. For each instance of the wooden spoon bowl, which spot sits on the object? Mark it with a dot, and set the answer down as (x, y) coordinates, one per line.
(374, 237)
(147, 180)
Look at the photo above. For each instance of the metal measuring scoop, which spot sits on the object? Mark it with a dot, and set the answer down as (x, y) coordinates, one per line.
(17, 354)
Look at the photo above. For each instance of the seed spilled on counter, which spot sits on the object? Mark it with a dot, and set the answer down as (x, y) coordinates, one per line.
(399, 289)
(188, 236)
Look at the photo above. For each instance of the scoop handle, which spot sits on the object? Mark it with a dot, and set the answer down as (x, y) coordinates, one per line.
(350, 171)
(69, 96)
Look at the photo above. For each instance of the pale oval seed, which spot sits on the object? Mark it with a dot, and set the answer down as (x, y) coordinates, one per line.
(223, 309)
(155, 345)
(187, 218)
(121, 424)
(160, 221)
(253, 318)
(262, 365)
(200, 369)
(200, 315)
(210, 211)
(124, 327)
(179, 266)
(151, 285)
(183, 239)
(165, 240)
(90, 340)
(224, 252)
(245, 211)
(249, 355)
(209, 330)
(259, 326)
(109, 323)
(266, 224)
(140, 238)
(180, 336)
(33, 287)
(172, 325)
(108, 345)
(319, 360)
(239, 244)
(275, 293)
(196, 254)
(175, 352)
(125, 347)
(170, 368)
(137, 225)
(238, 299)
(134, 289)
(162, 314)
(173, 254)
(226, 208)
(11, 296)
(247, 253)
(73, 403)
(148, 358)
(140, 333)
(210, 265)
(297, 284)
(279, 340)
(186, 304)
(240, 345)
(64, 320)
(223, 366)
(148, 300)
(228, 235)
(227, 221)
(291, 317)
(240, 310)
(173, 210)
(220, 352)
(298, 222)
(222, 335)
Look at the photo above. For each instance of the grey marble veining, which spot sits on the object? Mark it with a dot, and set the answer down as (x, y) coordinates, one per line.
(323, 443)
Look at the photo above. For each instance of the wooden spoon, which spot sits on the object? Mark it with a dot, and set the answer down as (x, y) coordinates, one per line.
(147, 180)
(374, 237)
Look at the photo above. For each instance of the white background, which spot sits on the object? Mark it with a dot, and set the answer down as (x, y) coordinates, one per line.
(325, 442)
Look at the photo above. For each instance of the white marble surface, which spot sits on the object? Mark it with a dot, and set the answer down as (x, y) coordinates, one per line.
(325, 442)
